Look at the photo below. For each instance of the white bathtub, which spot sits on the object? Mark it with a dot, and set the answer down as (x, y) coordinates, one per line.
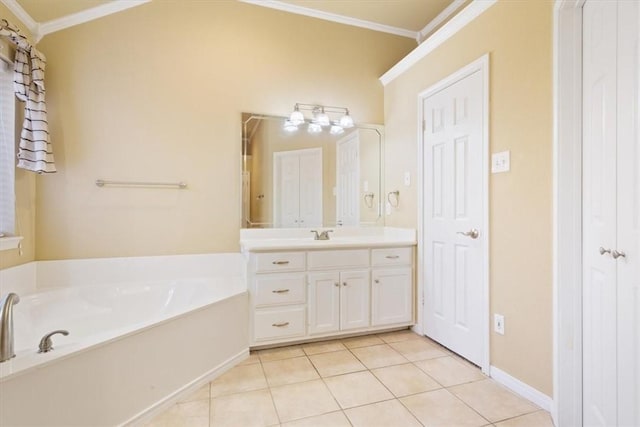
(136, 342)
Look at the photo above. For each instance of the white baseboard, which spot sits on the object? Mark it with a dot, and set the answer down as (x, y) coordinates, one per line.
(165, 403)
(524, 390)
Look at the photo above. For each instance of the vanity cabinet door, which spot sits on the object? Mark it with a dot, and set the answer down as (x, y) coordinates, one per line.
(391, 298)
(355, 301)
(324, 302)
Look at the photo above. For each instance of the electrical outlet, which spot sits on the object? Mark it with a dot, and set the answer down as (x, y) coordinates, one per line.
(498, 323)
(501, 162)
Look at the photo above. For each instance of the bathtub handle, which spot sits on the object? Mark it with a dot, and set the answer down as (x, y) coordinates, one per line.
(280, 291)
(46, 345)
(280, 325)
(280, 262)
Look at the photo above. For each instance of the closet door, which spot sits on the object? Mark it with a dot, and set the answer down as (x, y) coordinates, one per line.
(611, 214)
(628, 215)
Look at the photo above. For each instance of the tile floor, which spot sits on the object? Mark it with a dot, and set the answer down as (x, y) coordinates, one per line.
(393, 379)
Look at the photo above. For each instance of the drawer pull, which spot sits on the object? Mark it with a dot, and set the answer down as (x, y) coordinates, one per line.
(280, 325)
(280, 291)
(392, 256)
(280, 262)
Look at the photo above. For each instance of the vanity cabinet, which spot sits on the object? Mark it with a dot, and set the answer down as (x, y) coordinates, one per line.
(307, 294)
(338, 301)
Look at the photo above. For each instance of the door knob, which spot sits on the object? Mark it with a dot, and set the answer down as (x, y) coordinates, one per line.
(604, 251)
(617, 254)
(473, 233)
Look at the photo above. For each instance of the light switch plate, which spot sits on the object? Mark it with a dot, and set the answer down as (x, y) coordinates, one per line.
(498, 323)
(501, 162)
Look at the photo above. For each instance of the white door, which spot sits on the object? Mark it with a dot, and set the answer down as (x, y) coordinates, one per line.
(454, 216)
(324, 302)
(599, 215)
(348, 180)
(355, 302)
(297, 188)
(611, 214)
(391, 296)
(628, 215)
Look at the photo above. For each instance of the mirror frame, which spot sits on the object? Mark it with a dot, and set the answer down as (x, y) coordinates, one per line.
(379, 129)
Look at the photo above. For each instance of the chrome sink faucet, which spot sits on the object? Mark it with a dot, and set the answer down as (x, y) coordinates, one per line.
(6, 326)
(324, 235)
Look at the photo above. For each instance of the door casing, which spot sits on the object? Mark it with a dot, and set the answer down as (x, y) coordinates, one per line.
(482, 65)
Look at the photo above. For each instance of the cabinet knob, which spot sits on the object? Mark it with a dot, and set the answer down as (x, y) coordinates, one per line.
(337, 284)
(617, 254)
(376, 281)
(344, 283)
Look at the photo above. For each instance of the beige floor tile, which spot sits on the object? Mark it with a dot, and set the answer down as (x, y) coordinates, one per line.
(377, 356)
(333, 419)
(390, 413)
(536, 419)
(239, 379)
(362, 341)
(323, 347)
(280, 353)
(450, 371)
(200, 394)
(187, 414)
(415, 350)
(441, 408)
(302, 400)
(252, 408)
(289, 371)
(336, 363)
(493, 401)
(403, 335)
(359, 388)
(253, 358)
(404, 380)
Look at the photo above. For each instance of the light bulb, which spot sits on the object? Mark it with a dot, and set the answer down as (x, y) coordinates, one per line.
(289, 126)
(296, 117)
(346, 121)
(336, 130)
(322, 119)
(314, 128)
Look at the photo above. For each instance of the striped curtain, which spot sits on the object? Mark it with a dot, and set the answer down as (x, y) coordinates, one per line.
(34, 151)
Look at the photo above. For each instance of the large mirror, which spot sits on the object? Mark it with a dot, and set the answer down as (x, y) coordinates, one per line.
(294, 178)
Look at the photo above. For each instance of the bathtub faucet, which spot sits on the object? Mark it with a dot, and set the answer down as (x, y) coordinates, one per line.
(6, 326)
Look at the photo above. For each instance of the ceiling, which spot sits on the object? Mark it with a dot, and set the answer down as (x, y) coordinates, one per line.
(410, 18)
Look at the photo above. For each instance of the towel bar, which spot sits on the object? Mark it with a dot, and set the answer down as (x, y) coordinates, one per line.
(178, 185)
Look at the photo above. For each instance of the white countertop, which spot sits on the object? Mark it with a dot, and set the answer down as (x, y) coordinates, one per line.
(259, 240)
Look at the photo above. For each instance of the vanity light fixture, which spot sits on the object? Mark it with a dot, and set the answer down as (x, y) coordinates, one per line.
(320, 118)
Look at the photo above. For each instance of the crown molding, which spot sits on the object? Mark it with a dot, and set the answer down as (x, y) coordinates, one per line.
(442, 17)
(444, 33)
(333, 17)
(87, 15)
(24, 17)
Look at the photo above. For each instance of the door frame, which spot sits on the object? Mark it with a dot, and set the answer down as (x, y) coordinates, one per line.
(479, 65)
(567, 212)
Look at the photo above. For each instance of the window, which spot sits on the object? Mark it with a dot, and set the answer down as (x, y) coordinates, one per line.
(7, 154)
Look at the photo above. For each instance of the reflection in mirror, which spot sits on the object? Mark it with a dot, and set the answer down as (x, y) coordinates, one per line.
(294, 178)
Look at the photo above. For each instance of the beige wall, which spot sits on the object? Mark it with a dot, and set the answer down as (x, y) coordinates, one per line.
(25, 188)
(518, 37)
(155, 93)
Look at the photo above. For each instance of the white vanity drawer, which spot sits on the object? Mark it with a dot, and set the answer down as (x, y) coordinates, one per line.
(318, 260)
(283, 323)
(391, 256)
(279, 261)
(275, 289)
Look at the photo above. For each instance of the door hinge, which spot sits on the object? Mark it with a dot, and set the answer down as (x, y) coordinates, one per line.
(424, 125)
